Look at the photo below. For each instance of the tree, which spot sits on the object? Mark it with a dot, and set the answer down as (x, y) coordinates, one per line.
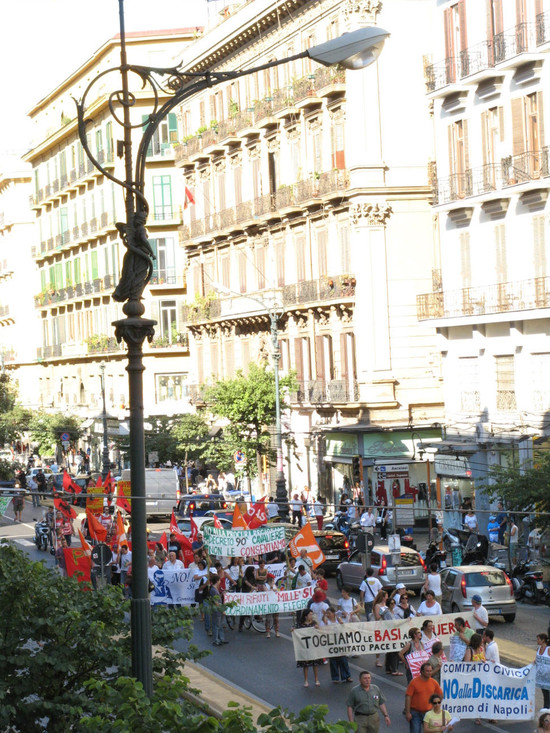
(522, 489)
(65, 665)
(191, 435)
(46, 429)
(13, 418)
(247, 402)
(159, 437)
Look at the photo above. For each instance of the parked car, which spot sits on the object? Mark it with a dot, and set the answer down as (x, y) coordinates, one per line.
(185, 523)
(459, 584)
(335, 545)
(411, 570)
(199, 504)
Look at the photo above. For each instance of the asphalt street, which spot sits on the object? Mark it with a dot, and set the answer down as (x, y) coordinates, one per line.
(266, 669)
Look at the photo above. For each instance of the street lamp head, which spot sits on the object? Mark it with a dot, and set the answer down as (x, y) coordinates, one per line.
(222, 289)
(353, 50)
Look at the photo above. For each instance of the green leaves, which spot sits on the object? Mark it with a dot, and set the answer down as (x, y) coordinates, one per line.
(46, 429)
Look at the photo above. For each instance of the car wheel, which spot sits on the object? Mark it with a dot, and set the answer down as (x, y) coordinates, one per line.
(509, 618)
(339, 580)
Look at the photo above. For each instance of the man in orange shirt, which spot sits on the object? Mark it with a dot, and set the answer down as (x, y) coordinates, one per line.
(417, 697)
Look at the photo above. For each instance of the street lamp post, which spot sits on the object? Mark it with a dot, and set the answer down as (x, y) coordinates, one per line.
(353, 51)
(106, 463)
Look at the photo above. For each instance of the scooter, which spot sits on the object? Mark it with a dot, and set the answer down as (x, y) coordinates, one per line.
(435, 555)
(41, 536)
(528, 583)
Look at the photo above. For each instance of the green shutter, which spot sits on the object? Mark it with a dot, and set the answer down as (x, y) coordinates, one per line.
(68, 273)
(42, 279)
(145, 125)
(51, 275)
(77, 274)
(95, 270)
(58, 276)
(173, 127)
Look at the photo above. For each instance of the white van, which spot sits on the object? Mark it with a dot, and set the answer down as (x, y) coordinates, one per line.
(162, 491)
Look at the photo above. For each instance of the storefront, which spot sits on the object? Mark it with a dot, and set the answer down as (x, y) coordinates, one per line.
(456, 487)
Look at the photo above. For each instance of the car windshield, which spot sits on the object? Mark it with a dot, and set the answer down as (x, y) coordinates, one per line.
(485, 579)
(408, 559)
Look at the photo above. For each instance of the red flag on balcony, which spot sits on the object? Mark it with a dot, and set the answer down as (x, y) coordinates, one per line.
(189, 198)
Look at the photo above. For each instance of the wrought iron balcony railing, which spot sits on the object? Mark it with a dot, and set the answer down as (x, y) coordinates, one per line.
(480, 300)
(334, 391)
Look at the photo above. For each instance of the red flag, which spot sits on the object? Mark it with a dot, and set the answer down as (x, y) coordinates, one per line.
(120, 531)
(85, 546)
(123, 496)
(64, 508)
(238, 519)
(194, 530)
(187, 550)
(99, 481)
(256, 516)
(97, 530)
(217, 522)
(164, 541)
(78, 563)
(109, 485)
(174, 524)
(69, 485)
(189, 198)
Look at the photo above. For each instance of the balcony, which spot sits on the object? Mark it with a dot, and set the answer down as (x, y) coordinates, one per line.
(513, 42)
(313, 291)
(542, 24)
(334, 391)
(519, 295)
(202, 310)
(172, 342)
(167, 277)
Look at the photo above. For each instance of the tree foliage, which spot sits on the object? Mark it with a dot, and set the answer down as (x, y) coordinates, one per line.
(45, 429)
(159, 437)
(65, 665)
(522, 489)
(191, 435)
(13, 418)
(247, 402)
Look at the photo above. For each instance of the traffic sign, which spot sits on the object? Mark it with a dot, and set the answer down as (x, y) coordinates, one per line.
(65, 436)
(66, 444)
(239, 458)
(101, 555)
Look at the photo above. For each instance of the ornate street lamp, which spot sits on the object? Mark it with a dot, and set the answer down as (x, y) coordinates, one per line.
(105, 463)
(352, 50)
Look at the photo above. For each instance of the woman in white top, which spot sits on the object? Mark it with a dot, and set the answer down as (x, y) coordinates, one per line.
(433, 582)
(234, 572)
(347, 607)
(542, 663)
(379, 608)
(428, 636)
(429, 606)
(339, 666)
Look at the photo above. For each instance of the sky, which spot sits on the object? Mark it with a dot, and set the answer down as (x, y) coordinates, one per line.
(43, 41)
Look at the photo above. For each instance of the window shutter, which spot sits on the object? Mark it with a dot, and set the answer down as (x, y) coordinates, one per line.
(462, 24)
(466, 144)
(237, 177)
(280, 255)
(298, 359)
(214, 367)
(518, 141)
(173, 127)
(448, 23)
(500, 254)
(539, 247)
(320, 358)
(501, 124)
(490, 25)
(242, 272)
(322, 251)
(245, 355)
(329, 359)
(229, 364)
(465, 260)
(344, 368)
(452, 156)
(484, 121)
(520, 12)
(200, 362)
(540, 112)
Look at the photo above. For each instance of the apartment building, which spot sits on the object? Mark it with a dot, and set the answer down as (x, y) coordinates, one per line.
(487, 81)
(78, 253)
(310, 198)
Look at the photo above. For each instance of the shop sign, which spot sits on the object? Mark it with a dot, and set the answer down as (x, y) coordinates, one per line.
(342, 444)
(451, 466)
(398, 444)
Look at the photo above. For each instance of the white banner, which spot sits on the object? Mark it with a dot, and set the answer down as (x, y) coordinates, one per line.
(173, 586)
(244, 542)
(488, 690)
(253, 604)
(370, 637)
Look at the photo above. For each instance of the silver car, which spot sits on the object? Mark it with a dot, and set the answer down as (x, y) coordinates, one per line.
(459, 584)
(410, 571)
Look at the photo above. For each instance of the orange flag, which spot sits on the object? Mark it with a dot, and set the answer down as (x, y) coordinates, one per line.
(120, 531)
(97, 530)
(238, 519)
(305, 540)
(85, 546)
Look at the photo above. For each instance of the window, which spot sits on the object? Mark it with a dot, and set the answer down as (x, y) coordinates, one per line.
(527, 137)
(505, 383)
(459, 161)
(109, 140)
(280, 262)
(162, 197)
(300, 245)
(456, 41)
(539, 248)
(68, 273)
(323, 358)
(164, 266)
(260, 266)
(337, 135)
(538, 378)
(171, 387)
(492, 137)
(343, 236)
(501, 265)
(468, 381)
(168, 320)
(225, 271)
(95, 268)
(465, 260)
(322, 239)
(242, 271)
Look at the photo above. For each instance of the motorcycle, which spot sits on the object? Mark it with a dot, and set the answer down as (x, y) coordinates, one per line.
(435, 555)
(528, 583)
(41, 536)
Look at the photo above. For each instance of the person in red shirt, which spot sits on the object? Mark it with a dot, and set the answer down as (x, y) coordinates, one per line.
(417, 697)
(320, 581)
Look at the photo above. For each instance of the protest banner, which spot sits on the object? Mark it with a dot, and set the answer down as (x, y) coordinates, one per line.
(78, 563)
(244, 542)
(94, 499)
(368, 637)
(488, 690)
(4, 504)
(265, 602)
(172, 586)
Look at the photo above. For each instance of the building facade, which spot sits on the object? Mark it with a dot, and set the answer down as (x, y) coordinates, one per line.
(78, 252)
(487, 81)
(310, 197)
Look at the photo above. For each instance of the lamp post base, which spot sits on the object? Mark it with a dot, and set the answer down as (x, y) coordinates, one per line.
(281, 496)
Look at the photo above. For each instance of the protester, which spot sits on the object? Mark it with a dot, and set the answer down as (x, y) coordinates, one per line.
(125, 564)
(216, 613)
(542, 663)
(295, 506)
(304, 560)
(368, 521)
(470, 521)
(480, 614)
(544, 721)
(339, 666)
(437, 719)
(318, 576)
(404, 608)
(391, 661)
(502, 519)
(318, 604)
(368, 589)
(460, 640)
(347, 607)
(271, 619)
(309, 622)
(199, 580)
(318, 511)
(379, 608)
(433, 582)
(172, 563)
(475, 651)
(272, 509)
(428, 636)
(414, 645)
(364, 702)
(417, 698)
(429, 607)
(436, 660)
(491, 647)
(160, 554)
